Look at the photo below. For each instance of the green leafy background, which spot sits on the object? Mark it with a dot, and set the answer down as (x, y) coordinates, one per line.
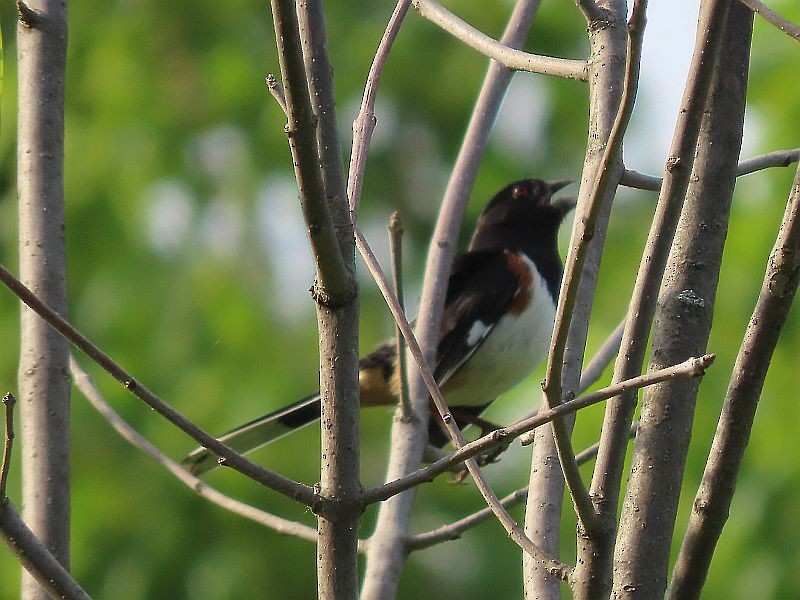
(187, 263)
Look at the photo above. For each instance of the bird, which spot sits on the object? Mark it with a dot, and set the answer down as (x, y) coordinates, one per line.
(496, 327)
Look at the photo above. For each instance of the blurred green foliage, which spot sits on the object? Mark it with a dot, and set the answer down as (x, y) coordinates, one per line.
(188, 264)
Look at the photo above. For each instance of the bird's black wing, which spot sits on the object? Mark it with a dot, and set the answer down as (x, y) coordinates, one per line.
(481, 288)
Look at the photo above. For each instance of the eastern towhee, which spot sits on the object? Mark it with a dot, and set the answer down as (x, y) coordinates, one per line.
(496, 328)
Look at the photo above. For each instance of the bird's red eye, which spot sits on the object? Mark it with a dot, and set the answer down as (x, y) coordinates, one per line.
(520, 191)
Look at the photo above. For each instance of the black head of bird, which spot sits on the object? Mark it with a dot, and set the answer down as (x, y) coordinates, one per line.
(521, 215)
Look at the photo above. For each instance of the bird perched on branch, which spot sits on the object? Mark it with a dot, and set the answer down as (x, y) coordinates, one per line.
(498, 319)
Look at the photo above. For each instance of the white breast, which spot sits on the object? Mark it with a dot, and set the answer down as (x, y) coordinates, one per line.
(514, 348)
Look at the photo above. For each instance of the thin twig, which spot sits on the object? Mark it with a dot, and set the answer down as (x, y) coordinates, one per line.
(778, 158)
(275, 481)
(34, 556)
(8, 442)
(693, 367)
(402, 324)
(782, 23)
(511, 58)
(396, 249)
(584, 506)
(276, 89)
(365, 121)
(87, 387)
(454, 530)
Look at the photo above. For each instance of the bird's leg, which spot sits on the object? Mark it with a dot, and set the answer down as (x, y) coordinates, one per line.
(486, 427)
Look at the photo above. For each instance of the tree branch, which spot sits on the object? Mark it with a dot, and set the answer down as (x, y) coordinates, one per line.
(301, 38)
(683, 320)
(693, 367)
(453, 531)
(584, 232)
(396, 248)
(86, 386)
(778, 158)
(714, 496)
(335, 282)
(596, 552)
(44, 423)
(365, 121)
(782, 23)
(607, 38)
(297, 491)
(32, 554)
(8, 441)
(509, 57)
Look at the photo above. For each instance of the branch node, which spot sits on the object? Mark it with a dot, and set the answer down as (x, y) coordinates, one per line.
(276, 89)
(28, 17)
(673, 163)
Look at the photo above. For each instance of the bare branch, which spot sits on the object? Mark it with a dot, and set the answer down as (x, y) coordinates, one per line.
(396, 248)
(284, 485)
(335, 284)
(607, 39)
(32, 554)
(43, 385)
(86, 386)
(453, 531)
(782, 23)
(310, 94)
(8, 441)
(584, 231)
(778, 158)
(513, 59)
(693, 367)
(364, 123)
(713, 499)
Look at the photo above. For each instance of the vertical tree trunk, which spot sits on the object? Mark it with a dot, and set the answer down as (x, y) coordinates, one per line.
(607, 40)
(44, 384)
(683, 322)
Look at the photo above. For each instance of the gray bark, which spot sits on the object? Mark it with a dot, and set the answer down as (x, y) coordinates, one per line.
(683, 323)
(44, 384)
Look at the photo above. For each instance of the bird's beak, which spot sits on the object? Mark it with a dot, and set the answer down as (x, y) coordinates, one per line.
(557, 185)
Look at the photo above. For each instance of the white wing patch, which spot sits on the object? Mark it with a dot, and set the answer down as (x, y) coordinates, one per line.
(511, 350)
(476, 333)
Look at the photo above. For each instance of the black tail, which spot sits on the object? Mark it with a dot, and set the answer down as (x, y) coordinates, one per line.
(258, 432)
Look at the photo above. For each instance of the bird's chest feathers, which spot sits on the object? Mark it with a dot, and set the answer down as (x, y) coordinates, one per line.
(511, 351)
